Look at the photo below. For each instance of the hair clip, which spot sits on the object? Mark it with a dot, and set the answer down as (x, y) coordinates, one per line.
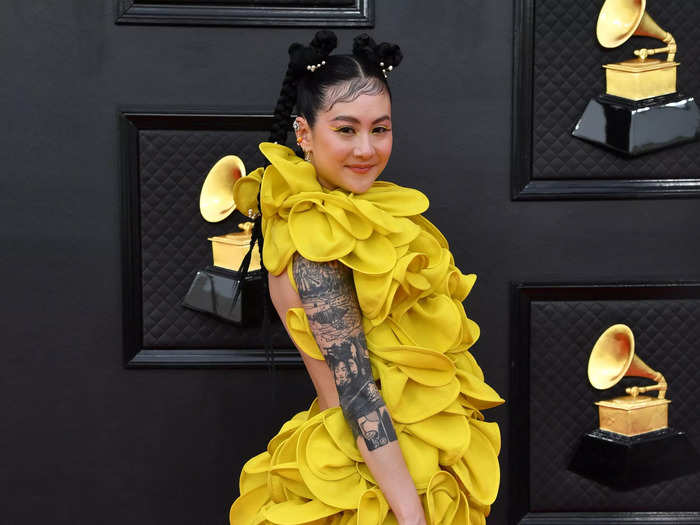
(314, 67)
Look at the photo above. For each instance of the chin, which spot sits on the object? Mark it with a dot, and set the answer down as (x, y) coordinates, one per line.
(359, 187)
(360, 183)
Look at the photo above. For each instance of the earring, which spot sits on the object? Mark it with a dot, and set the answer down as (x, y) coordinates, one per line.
(296, 126)
(307, 156)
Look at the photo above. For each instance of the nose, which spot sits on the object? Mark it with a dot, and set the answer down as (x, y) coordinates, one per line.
(363, 146)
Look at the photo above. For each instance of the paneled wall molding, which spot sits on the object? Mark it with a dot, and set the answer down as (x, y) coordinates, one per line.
(612, 518)
(556, 70)
(299, 13)
(554, 327)
(165, 157)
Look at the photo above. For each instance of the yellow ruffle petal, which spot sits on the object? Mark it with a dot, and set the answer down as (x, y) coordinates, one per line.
(254, 473)
(247, 507)
(340, 433)
(329, 474)
(449, 433)
(422, 365)
(373, 508)
(300, 332)
(317, 236)
(433, 322)
(418, 401)
(429, 227)
(373, 293)
(299, 175)
(278, 247)
(245, 192)
(297, 513)
(478, 469)
(421, 459)
(374, 255)
(396, 200)
(477, 393)
(443, 500)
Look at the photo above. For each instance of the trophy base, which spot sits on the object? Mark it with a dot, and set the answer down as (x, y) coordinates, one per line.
(635, 127)
(627, 463)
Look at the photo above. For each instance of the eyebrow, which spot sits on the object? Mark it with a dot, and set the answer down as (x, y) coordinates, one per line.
(356, 121)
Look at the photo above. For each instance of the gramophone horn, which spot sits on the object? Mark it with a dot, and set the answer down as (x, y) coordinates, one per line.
(620, 19)
(613, 358)
(216, 198)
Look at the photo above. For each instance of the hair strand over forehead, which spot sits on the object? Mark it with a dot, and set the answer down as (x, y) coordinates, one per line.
(351, 90)
(343, 78)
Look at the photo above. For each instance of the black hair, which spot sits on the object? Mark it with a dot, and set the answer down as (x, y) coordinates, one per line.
(342, 79)
(315, 81)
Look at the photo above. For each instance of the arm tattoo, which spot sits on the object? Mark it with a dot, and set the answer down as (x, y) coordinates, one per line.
(328, 294)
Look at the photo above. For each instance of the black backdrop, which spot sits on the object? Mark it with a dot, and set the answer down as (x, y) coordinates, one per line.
(86, 440)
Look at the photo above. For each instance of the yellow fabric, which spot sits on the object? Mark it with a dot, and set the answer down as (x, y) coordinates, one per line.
(418, 336)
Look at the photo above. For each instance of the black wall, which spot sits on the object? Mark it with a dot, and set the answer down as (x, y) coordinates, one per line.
(86, 440)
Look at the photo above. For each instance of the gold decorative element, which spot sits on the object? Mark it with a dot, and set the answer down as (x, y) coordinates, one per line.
(216, 198)
(632, 416)
(230, 249)
(613, 358)
(639, 78)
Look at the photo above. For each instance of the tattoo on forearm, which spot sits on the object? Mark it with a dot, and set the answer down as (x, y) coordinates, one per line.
(328, 294)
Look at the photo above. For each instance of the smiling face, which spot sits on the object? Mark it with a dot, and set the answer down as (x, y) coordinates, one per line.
(350, 143)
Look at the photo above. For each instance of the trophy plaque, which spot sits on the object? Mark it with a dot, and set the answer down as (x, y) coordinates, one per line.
(640, 111)
(633, 446)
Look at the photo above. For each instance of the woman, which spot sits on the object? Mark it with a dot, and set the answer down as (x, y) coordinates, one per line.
(369, 293)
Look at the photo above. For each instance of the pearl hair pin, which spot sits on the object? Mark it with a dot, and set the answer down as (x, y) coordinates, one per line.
(314, 67)
(384, 71)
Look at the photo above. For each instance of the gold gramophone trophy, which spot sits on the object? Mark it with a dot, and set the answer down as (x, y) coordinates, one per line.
(613, 358)
(216, 203)
(218, 289)
(641, 110)
(634, 445)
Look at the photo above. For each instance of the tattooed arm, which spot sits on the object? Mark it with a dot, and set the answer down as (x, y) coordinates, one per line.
(328, 295)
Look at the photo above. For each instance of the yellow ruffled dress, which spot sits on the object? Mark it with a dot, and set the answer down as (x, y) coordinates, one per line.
(418, 336)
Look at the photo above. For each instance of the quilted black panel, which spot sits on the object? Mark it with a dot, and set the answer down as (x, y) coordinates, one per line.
(567, 73)
(172, 167)
(561, 399)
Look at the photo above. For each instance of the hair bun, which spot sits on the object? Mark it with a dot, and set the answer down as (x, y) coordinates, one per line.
(383, 55)
(301, 56)
(363, 46)
(324, 42)
(390, 54)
